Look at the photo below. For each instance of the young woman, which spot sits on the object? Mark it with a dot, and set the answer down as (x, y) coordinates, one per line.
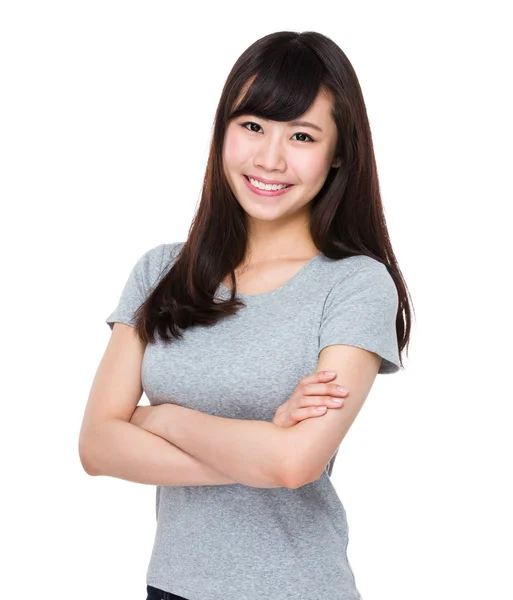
(287, 274)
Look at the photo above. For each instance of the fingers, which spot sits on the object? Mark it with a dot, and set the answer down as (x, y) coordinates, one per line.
(308, 412)
(327, 389)
(315, 394)
(320, 376)
(315, 401)
(325, 377)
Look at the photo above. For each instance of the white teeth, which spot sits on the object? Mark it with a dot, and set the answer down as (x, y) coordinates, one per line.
(268, 186)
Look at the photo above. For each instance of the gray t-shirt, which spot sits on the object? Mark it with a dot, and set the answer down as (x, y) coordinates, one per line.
(234, 542)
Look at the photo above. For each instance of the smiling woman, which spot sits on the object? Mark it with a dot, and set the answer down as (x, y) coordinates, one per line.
(287, 271)
(303, 162)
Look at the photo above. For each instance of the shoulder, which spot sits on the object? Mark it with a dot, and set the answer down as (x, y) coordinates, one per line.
(360, 310)
(155, 261)
(362, 281)
(357, 270)
(160, 255)
(170, 253)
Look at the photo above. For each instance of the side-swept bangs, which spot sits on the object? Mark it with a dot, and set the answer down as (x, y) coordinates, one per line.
(284, 88)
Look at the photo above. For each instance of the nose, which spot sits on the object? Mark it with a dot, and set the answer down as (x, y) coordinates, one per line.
(270, 156)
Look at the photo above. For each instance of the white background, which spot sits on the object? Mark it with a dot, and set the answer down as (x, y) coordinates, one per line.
(106, 111)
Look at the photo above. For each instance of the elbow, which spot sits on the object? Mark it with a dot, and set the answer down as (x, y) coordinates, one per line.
(299, 473)
(297, 469)
(298, 479)
(85, 455)
(293, 476)
(87, 466)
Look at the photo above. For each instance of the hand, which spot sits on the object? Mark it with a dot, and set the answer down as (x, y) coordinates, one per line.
(142, 416)
(312, 392)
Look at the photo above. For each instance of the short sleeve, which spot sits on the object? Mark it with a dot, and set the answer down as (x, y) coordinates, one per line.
(361, 310)
(141, 280)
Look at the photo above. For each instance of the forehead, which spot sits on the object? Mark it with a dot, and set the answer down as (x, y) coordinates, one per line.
(319, 111)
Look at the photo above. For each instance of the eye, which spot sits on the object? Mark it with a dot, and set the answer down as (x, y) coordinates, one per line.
(309, 140)
(306, 135)
(250, 123)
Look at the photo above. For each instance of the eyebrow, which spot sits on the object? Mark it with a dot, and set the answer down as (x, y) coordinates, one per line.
(301, 124)
(305, 124)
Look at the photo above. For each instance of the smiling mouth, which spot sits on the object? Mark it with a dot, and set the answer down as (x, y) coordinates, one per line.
(286, 185)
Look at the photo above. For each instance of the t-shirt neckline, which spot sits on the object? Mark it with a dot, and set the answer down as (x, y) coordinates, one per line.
(282, 287)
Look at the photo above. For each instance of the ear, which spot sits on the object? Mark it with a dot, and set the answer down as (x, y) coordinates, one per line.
(336, 163)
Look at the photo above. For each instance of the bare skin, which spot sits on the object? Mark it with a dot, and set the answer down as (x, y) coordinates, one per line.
(279, 240)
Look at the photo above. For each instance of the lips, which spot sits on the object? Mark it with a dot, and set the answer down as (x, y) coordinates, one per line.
(269, 182)
(263, 193)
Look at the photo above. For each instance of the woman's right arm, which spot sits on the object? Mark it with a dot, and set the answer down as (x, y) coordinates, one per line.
(110, 445)
(123, 450)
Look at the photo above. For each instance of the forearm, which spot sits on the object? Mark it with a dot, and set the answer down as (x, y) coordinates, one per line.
(123, 450)
(250, 452)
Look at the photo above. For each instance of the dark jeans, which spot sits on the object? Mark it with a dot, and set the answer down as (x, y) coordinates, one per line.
(156, 594)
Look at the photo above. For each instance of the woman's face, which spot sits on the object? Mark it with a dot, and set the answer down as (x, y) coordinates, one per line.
(298, 154)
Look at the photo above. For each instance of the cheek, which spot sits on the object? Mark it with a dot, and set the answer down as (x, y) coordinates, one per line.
(234, 148)
(312, 167)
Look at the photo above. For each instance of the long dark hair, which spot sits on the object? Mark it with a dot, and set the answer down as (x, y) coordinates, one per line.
(286, 71)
